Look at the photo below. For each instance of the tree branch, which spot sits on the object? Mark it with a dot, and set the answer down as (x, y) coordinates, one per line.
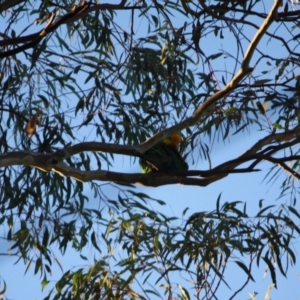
(54, 162)
(76, 13)
(242, 73)
(8, 4)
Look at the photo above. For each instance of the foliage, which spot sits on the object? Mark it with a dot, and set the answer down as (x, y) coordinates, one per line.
(83, 82)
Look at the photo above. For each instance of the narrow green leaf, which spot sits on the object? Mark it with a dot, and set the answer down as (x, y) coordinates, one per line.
(245, 269)
(184, 293)
(272, 269)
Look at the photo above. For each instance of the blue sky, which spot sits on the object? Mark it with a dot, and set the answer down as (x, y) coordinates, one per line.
(243, 187)
(248, 188)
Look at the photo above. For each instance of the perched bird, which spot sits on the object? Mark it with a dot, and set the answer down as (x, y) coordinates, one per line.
(164, 156)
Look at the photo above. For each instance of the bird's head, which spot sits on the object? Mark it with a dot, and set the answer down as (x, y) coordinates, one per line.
(173, 140)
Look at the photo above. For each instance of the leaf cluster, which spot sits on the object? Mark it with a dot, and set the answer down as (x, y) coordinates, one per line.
(118, 74)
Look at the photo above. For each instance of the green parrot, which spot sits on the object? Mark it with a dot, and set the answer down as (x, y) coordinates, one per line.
(165, 156)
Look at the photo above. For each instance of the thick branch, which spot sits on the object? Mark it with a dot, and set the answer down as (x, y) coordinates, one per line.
(54, 162)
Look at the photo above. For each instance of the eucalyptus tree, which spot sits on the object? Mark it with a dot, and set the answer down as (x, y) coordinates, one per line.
(85, 82)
